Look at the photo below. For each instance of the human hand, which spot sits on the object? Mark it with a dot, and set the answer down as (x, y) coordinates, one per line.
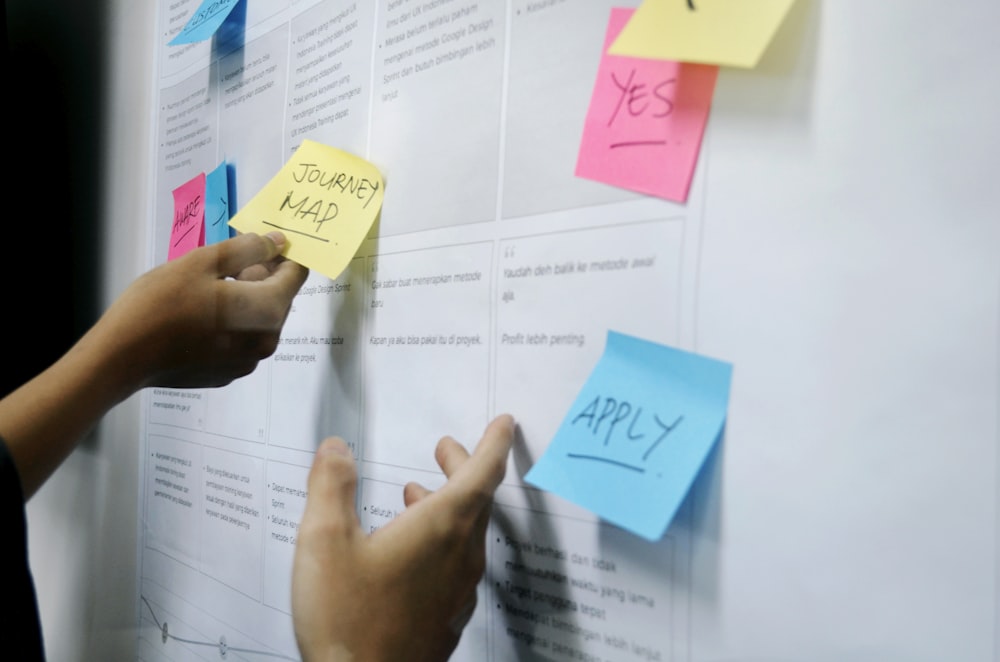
(207, 317)
(406, 591)
(182, 324)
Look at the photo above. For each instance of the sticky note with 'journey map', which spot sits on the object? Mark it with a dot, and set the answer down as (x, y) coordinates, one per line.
(638, 433)
(324, 200)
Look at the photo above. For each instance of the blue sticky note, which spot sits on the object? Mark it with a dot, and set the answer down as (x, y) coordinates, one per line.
(637, 434)
(217, 205)
(204, 21)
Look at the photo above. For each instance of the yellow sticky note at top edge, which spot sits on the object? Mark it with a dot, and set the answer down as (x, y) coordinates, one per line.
(324, 200)
(724, 32)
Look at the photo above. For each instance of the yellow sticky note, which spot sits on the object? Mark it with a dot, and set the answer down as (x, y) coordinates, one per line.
(725, 32)
(324, 200)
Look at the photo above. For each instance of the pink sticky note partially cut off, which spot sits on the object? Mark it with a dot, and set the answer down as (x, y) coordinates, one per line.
(646, 121)
(188, 229)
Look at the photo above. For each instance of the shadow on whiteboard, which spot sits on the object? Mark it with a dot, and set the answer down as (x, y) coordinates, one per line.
(780, 89)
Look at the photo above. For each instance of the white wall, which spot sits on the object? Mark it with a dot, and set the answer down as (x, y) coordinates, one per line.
(82, 524)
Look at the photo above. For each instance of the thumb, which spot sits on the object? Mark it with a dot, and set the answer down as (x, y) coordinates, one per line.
(333, 482)
(245, 250)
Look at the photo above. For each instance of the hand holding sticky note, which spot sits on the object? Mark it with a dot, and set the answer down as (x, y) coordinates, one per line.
(637, 434)
(324, 200)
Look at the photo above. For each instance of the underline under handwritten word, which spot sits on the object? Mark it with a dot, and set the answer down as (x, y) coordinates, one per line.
(606, 460)
(298, 232)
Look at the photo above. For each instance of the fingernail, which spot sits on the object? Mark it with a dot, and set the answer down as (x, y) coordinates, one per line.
(334, 445)
(277, 238)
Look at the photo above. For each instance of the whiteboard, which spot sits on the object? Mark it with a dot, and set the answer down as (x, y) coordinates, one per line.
(840, 249)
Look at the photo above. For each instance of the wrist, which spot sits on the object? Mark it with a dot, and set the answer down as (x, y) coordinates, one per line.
(122, 361)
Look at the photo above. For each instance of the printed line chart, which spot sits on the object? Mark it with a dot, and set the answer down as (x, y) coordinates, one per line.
(222, 645)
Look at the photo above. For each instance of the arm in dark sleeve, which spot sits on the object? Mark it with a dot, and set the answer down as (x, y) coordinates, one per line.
(21, 631)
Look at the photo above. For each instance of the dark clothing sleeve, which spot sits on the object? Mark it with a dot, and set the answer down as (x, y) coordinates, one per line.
(21, 632)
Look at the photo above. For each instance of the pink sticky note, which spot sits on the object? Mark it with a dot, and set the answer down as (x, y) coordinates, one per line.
(188, 230)
(646, 121)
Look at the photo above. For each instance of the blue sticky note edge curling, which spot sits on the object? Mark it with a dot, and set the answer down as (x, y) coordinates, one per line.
(204, 22)
(217, 211)
(638, 434)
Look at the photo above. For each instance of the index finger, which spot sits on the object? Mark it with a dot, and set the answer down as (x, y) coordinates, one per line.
(482, 473)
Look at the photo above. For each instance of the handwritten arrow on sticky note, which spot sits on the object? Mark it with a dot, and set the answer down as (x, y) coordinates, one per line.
(217, 205)
(638, 433)
(324, 200)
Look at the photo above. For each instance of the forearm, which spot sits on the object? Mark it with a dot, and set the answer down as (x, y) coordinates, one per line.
(183, 324)
(43, 420)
